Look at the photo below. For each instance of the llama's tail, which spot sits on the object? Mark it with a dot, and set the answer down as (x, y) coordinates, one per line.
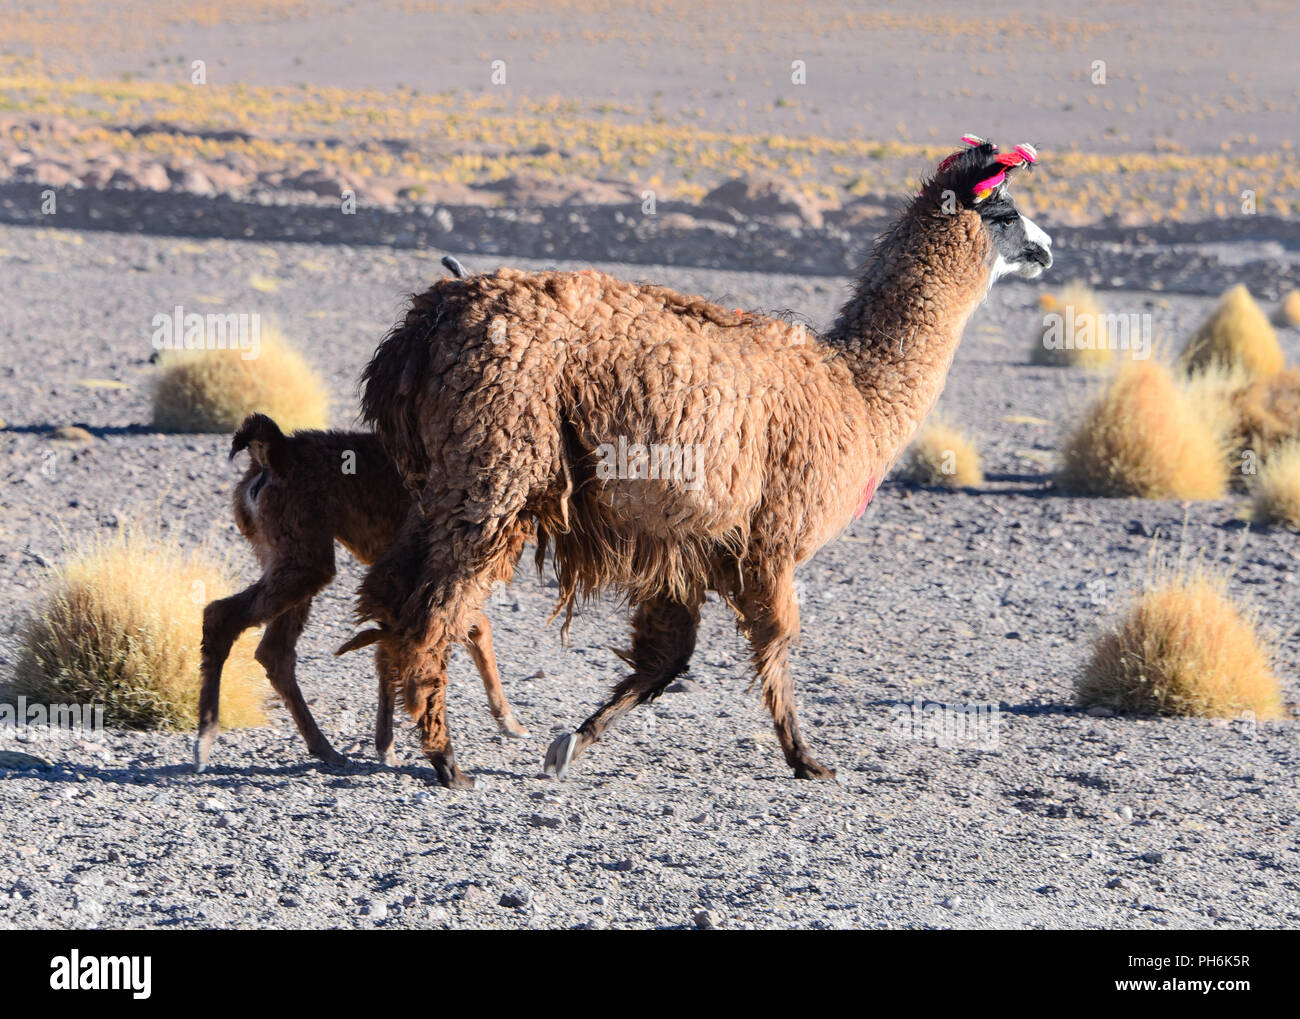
(261, 436)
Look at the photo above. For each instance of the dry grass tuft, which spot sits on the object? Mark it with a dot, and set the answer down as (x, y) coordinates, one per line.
(1184, 648)
(1144, 436)
(1288, 312)
(121, 627)
(1079, 318)
(214, 390)
(1275, 492)
(942, 456)
(1237, 334)
(1267, 413)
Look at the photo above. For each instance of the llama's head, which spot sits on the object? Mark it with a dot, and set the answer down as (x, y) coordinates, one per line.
(975, 180)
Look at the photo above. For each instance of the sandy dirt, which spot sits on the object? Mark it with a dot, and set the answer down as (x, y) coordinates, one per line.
(986, 597)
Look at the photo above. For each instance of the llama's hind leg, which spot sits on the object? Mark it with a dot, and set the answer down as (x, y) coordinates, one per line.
(479, 646)
(223, 621)
(770, 619)
(277, 653)
(663, 639)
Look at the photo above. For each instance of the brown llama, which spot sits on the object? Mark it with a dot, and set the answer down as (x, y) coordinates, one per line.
(300, 494)
(504, 397)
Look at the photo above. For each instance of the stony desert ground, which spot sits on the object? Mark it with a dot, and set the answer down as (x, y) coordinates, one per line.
(686, 816)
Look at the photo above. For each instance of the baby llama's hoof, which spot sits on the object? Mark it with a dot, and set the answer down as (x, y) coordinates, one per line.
(810, 769)
(509, 727)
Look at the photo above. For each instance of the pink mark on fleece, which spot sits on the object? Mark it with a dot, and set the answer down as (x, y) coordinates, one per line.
(867, 493)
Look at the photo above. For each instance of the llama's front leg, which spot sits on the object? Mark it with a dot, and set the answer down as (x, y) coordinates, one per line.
(479, 646)
(278, 654)
(663, 639)
(770, 618)
(384, 716)
(426, 693)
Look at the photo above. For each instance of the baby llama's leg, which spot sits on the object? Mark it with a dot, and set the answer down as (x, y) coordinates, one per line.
(770, 619)
(479, 646)
(663, 638)
(277, 653)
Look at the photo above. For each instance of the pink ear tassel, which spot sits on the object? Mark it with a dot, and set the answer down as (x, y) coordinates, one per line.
(972, 139)
(985, 186)
(1028, 151)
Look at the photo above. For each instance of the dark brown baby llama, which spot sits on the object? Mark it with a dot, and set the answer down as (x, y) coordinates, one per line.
(301, 493)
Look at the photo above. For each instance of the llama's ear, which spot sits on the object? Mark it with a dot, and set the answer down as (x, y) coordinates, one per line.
(1002, 166)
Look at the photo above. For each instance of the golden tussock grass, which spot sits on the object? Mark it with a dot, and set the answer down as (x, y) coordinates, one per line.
(214, 390)
(1288, 312)
(1145, 436)
(1275, 491)
(1261, 414)
(1082, 320)
(121, 626)
(1183, 648)
(1237, 334)
(941, 455)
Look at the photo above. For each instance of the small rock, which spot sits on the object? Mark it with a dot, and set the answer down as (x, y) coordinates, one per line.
(20, 762)
(1116, 882)
(517, 898)
(1126, 813)
(951, 902)
(70, 433)
(542, 821)
(1153, 856)
(376, 910)
(706, 920)
(1100, 711)
(623, 865)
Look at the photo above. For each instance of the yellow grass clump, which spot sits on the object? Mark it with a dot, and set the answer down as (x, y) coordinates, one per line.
(121, 626)
(941, 455)
(1288, 312)
(1074, 330)
(1143, 436)
(1275, 493)
(1184, 648)
(1237, 333)
(214, 390)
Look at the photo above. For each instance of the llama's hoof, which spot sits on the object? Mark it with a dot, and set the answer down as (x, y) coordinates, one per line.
(389, 759)
(560, 755)
(810, 769)
(452, 777)
(330, 757)
(509, 727)
(202, 748)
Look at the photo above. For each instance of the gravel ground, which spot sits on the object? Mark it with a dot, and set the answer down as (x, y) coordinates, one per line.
(1059, 819)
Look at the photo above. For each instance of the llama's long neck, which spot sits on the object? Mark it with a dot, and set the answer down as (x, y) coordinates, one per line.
(899, 331)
